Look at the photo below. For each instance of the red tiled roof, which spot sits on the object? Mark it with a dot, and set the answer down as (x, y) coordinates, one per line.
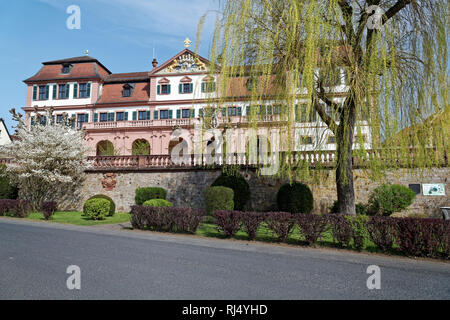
(112, 93)
(127, 77)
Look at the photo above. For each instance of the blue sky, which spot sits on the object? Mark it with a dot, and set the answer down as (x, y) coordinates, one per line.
(119, 33)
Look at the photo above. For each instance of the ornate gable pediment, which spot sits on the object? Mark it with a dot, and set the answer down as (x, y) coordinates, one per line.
(185, 63)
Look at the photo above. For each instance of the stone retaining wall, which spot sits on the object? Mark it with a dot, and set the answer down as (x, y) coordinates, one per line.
(186, 187)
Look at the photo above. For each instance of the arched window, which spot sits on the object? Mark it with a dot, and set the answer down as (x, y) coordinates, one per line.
(140, 147)
(105, 148)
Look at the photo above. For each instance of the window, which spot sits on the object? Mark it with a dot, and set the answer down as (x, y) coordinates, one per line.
(164, 114)
(187, 88)
(127, 90)
(43, 92)
(186, 113)
(306, 140)
(142, 115)
(208, 86)
(232, 111)
(302, 114)
(331, 140)
(59, 118)
(66, 68)
(164, 89)
(103, 117)
(83, 90)
(82, 118)
(63, 91)
(120, 116)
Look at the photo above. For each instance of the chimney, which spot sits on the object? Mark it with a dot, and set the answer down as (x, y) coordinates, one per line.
(154, 63)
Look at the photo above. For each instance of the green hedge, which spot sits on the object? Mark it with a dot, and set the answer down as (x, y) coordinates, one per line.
(218, 198)
(112, 208)
(239, 186)
(295, 198)
(149, 193)
(157, 203)
(96, 209)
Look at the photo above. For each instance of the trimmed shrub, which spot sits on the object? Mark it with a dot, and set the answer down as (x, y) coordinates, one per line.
(15, 207)
(295, 198)
(341, 229)
(382, 231)
(166, 218)
(157, 203)
(97, 209)
(149, 193)
(359, 231)
(251, 221)
(281, 224)
(112, 208)
(6, 206)
(49, 208)
(238, 184)
(311, 226)
(7, 189)
(360, 208)
(228, 221)
(387, 199)
(218, 198)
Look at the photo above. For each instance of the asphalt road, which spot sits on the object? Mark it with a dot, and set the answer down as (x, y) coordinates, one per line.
(143, 265)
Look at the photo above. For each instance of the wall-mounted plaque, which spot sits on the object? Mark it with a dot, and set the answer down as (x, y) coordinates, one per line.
(415, 188)
(436, 189)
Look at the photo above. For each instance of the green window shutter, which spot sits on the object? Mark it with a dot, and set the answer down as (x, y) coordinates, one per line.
(125, 116)
(178, 114)
(35, 92)
(191, 87)
(170, 114)
(53, 119)
(148, 115)
(155, 114)
(224, 112)
(200, 113)
(32, 120)
(213, 86)
(203, 87)
(86, 117)
(89, 90)
(180, 88)
(73, 122)
(168, 89)
(134, 115)
(75, 90)
(95, 117)
(111, 116)
(67, 91)
(55, 88)
(239, 111)
(47, 91)
(192, 113)
(158, 89)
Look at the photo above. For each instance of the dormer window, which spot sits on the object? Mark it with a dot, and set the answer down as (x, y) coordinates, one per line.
(66, 68)
(127, 90)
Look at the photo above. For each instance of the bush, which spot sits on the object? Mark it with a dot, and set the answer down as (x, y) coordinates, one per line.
(359, 231)
(49, 208)
(360, 208)
(157, 203)
(251, 221)
(281, 223)
(341, 229)
(238, 184)
(228, 221)
(387, 199)
(17, 208)
(382, 231)
(149, 193)
(166, 218)
(97, 209)
(218, 198)
(423, 237)
(7, 189)
(295, 198)
(112, 208)
(311, 226)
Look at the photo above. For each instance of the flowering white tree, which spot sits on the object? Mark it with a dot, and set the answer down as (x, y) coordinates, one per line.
(48, 159)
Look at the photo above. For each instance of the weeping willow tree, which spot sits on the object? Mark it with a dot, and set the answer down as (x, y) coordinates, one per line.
(375, 66)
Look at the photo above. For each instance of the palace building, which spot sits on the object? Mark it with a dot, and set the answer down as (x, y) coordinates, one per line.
(125, 114)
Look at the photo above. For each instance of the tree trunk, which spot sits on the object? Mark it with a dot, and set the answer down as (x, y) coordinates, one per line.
(344, 167)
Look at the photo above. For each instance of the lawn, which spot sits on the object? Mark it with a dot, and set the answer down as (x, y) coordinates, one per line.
(78, 219)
